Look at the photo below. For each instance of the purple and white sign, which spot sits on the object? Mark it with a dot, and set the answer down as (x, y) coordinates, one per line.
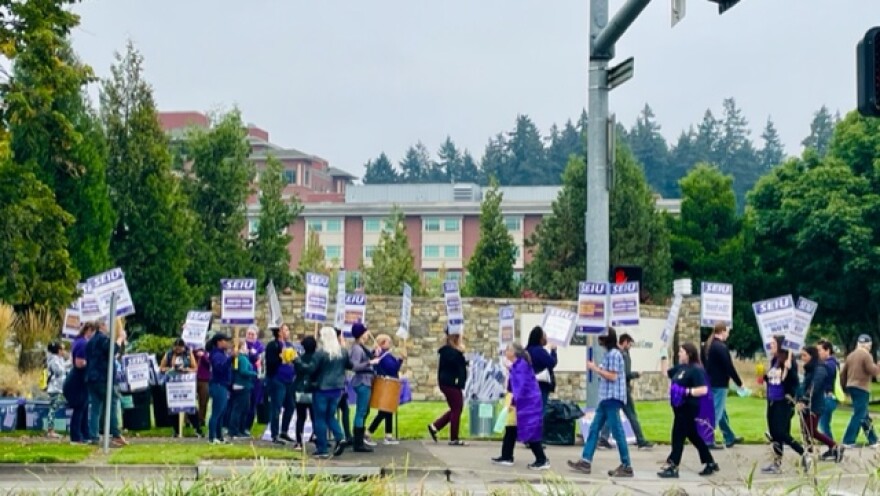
(506, 327)
(454, 310)
(804, 311)
(72, 320)
(774, 317)
(89, 309)
(592, 313)
(317, 297)
(195, 329)
(558, 325)
(137, 371)
(104, 285)
(180, 393)
(405, 312)
(671, 320)
(238, 301)
(624, 301)
(355, 311)
(716, 304)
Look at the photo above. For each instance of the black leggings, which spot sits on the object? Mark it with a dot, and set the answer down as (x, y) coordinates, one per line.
(779, 413)
(345, 415)
(509, 442)
(303, 409)
(386, 416)
(685, 426)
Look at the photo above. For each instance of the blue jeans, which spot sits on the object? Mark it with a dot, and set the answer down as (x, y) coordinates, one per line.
(238, 407)
(545, 396)
(324, 407)
(859, 419)
(97, 396)
(607, 412)
(825, 418)
(719, 398)
(281, 395)
(219, 397)
(362, 409)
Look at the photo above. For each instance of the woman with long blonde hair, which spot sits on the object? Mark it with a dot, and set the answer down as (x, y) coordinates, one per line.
(331, 362)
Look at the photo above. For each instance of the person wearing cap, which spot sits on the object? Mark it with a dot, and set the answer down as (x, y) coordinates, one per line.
(180, 360)
(855, 378)
(280, 375)
(218, 387)
(362, 362)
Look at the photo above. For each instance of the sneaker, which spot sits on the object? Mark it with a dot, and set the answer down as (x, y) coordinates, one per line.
(246, 433)
(321, 456)
(603, 444)
(545, 465)
(621, 471)
(768, 437)
(369, 442)
(200, 433)
(710, 469)
(581, 466)
(773, 468)
(390, 441)
(53, 435)
(829, 455)
(736, 440)
(646, 445)
(848, 446)
(278, 441)
(669, 472)
(286, 437)
(504, 462)
(118, 441)
(716, 447)
(433, 432)
(838, 451)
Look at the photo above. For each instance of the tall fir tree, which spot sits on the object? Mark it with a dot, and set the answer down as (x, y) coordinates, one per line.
(495, 158)
(490, 268)
(470, 173)
(269, 250)
(737, 153)
(683, 155)
(416, 164)
(773, 152)
(380, 171)
(393, 263)
(218, 191)
(651, 150)
(707, 142)
(450, 165)
(821, 131)
(527, 158)
(153, 228)
(563, 145)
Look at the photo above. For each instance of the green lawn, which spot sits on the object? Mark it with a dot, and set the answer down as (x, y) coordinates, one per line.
(43, 453)
(190, 454)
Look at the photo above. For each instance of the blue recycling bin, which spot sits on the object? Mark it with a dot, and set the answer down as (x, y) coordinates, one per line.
(8, 414)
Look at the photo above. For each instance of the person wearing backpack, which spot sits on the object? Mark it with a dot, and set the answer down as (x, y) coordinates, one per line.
(180, 360)
(57, 366)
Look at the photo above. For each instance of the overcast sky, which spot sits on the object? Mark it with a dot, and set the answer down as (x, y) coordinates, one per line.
(348, 79)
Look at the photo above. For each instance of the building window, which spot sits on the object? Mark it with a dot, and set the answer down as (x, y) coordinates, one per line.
(513, 224)
(334, 225)
(451, 225)
(315, 225)
(368, 251)
(372, 225)
(453, 276)
(517, 252)
(306, 177)
(253, 227)
(289, 176)
(432, 225)
(431, 251)
(451, 251)
(332, 252)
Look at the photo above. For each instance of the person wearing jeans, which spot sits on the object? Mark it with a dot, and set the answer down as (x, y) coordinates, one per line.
(629, 408)
(451, 377)
(255, 355)
(362, 363)
(331, 362)
(612, 397)
(855, 378)
(280, 375)
(721, 371)
(97, 367)
(218, 387)
(811, 400)
(75, 391)
(826, 355)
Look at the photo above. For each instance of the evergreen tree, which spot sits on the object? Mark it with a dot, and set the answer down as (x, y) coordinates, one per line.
(153, 228)
(527, 164)
(495, 158)
(416, 164)
(707, 142)
(380, 171)
(269, 252)
(393, 261)
(450, 165)
(563, 144)
(773, 152)
(470, 173)
(737, 153)
(218, 191)
(682, 157)
(490, 268)
(651, 150)
(821, 131)
(312, 260)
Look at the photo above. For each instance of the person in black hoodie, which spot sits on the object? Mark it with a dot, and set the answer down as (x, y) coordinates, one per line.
(782, 384)
(721, 371)
(451, 377)
(280, 375)
(304, 385)
(812, 400)
(542, 361)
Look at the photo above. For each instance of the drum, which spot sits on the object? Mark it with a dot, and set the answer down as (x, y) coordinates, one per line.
(385, 396)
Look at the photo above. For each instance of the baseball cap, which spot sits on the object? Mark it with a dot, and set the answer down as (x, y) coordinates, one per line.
(864, 338)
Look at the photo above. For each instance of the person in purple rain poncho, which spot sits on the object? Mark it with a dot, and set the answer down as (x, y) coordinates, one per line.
(687, 387)
(526, 405)
(255, 355)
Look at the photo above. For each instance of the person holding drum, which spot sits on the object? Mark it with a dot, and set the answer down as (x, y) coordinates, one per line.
(387, 370)
(362, 363)
(451, 377)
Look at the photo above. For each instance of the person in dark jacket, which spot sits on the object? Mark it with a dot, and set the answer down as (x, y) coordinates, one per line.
(343, 407)
(218, 387)
(362, 363)
(782, 385)
(388, 366)
(97, 367)
(180, 360)
(451, 377)
(541, 361)
(629, 409)
(280, 374)
(304, 386)
(721, 371)
(331, 362)
(75, 386)
(242, 383)
(256, 349)
(812, 399)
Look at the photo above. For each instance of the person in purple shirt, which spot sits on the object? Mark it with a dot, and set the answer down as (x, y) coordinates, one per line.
(255, 356)
(388, 366)
(74, 388)
(782, 384)
(279, 385)
(218, 386)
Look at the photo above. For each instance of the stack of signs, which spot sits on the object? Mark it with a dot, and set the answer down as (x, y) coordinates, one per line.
(506, 327)
(405, 312)
(137, 371)
(339, 321)
(671, 320)
(624, 301)
(716, 304)
(275, 317)
(238, 301)
(592, 317)
(180, 393)
(195, 329)
(774, 317)
(558, 325)
(803, 316)
(454, 310)
(317, 296)
(590, 415)
(355, 311)
(70, 327)
(104, 285)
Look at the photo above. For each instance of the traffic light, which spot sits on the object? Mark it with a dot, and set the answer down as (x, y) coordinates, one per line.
(723, 5)
(626, 273)
(868, 61)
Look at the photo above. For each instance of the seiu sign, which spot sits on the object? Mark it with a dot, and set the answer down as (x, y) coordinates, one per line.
(317, 279)
(807, 306)
(597, 288)
(780, 303)
(355, 299)
(106, 277)
(716, 288)
(238, 284)
(627, 287)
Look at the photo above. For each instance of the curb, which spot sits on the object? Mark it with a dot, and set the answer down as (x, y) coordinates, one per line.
(18, 471)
